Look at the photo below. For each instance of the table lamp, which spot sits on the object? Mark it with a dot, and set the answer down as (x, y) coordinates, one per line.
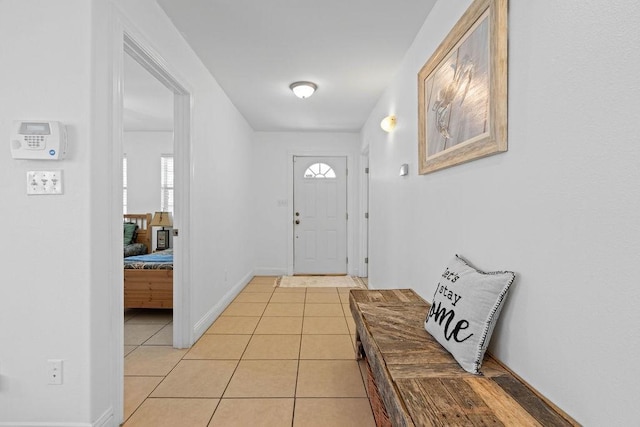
(162, 219)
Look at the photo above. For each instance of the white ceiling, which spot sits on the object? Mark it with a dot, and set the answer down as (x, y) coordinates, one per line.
(256, 48)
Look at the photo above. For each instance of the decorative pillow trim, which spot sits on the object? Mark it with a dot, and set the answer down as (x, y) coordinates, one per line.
(495, 311)
(493, 316)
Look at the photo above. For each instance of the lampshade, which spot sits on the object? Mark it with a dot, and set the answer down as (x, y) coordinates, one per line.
(162, 219)
(388, 123)
(303, 89)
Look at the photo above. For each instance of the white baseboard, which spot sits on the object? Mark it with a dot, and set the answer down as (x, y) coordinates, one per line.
(275, 271)
(269, 271)
(207, 320)
(42, 424)
(105, 420)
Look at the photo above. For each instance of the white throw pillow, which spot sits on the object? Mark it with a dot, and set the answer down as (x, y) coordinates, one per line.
(465, 308)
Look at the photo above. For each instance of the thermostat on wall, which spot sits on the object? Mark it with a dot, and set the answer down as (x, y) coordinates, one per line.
(36, 140)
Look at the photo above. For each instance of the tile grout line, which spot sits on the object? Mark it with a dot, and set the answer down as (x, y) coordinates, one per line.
(295, 389)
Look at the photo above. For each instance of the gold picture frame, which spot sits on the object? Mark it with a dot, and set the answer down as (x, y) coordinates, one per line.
(462, 91)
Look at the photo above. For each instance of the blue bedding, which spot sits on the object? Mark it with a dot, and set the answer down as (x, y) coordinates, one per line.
(157, 260)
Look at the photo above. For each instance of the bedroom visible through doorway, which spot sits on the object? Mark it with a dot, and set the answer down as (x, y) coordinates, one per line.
(148, 189)
(148, 146)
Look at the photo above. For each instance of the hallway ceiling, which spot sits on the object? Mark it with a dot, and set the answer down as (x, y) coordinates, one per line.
(148, 104)
(256, 48)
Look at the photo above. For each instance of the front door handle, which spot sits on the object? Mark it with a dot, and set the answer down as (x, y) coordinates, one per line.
(297, 221)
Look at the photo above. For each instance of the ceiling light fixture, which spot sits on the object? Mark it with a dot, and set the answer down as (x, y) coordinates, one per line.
(388, 123)
(303, 89)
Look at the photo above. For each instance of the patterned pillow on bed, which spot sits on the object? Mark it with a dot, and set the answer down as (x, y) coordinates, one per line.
(135, 249)
(129, 229)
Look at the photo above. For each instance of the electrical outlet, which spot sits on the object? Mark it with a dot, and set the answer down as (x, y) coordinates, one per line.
(54, 371)
(44, 182)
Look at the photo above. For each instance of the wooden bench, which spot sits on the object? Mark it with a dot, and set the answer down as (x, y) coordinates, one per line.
(414, 381)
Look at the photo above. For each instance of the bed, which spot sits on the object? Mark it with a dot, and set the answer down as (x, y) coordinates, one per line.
(148, 277)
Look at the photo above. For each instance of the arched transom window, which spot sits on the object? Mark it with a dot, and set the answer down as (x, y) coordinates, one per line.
(319, 170)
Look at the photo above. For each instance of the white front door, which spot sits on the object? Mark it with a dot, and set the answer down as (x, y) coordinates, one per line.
(320, 215)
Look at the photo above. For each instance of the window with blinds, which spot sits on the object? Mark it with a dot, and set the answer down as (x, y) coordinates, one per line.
(124, 184)
(166, 182)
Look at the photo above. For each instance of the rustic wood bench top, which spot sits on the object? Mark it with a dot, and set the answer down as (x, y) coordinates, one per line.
(421, 384)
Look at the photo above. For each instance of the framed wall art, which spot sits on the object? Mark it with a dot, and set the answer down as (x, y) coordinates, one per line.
(462, 91)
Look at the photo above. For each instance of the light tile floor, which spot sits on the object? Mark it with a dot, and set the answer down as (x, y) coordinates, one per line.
(275, 357)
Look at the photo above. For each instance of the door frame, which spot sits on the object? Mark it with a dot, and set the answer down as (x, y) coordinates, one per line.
(352, 267)
(364, 211)
(126, 39)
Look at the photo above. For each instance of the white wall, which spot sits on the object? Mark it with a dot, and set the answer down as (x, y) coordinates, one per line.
(45, 287)
(273, 198)
(56, 277)
(560, 208)
(143, 150)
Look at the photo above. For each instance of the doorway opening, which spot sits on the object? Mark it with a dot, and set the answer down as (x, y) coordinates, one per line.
(148, 172)
(129, 46)
(176, 193)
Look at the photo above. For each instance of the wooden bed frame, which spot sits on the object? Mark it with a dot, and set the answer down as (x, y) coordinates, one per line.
(146, 288)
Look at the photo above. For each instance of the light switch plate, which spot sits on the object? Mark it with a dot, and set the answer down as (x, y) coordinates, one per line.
(44, 182)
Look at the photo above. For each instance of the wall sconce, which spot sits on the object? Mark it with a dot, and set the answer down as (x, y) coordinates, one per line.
(303, 89)
(404, 170)
(388, 123)
(162, 219)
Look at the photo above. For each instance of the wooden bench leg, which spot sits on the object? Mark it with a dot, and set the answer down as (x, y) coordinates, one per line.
(359, 348)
